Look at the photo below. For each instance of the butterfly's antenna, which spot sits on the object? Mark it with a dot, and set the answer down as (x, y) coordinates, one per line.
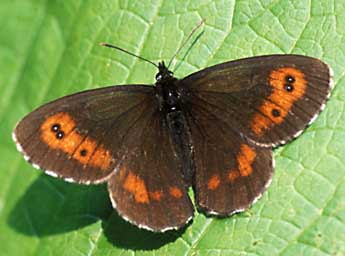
(132, 54)
(187, 51)
(186, 40)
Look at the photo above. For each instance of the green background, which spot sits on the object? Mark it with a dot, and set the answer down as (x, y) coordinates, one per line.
(50, 48)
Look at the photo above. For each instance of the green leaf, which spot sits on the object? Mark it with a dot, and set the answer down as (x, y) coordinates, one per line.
(51, 48)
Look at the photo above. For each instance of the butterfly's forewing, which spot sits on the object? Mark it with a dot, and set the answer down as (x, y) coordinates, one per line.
(82, 137)
(230, 172)
(148, 189)
(267, 99)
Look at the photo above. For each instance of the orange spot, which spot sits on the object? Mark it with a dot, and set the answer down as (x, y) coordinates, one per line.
(233, 175)
(175, 192)
(136, 186)
(245, 160)
(213, 182)
(49, 137)
(69, 142)
(280, 99)
(72, 143)
(156, 195)
(87, 145)
(101, 158)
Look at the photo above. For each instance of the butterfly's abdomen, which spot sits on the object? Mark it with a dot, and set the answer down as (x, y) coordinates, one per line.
(181, 136)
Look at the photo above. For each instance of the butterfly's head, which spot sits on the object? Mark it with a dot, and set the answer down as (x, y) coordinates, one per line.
(164, 74)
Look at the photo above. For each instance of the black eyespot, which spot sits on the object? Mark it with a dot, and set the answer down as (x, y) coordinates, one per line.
(288, 87)
(60, 135)
(275, 112)
(83, 152)
(55, 127)
(289, 79)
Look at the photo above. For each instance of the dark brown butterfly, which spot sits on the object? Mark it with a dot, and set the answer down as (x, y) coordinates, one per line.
(213, 131)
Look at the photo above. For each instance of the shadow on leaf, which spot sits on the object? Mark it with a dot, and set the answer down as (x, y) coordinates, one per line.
(51, 206)
(125, 235)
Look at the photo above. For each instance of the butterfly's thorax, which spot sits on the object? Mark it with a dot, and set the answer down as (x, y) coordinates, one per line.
(169, 97)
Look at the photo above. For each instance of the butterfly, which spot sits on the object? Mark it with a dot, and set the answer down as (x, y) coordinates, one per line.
(213, 130)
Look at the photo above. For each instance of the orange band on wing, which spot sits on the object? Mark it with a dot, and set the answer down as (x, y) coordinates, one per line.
(58, 132)
(136, 186)
(288, 85)
(245, 159)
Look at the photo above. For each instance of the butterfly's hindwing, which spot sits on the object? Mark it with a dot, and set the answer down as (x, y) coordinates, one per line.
(148, 188)
(230, 172)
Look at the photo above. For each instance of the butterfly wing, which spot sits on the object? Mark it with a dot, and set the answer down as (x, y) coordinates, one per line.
(237, 111)
(230, 172)
(81, 137)
(267, 99)
(114, 134)
(148, 189)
